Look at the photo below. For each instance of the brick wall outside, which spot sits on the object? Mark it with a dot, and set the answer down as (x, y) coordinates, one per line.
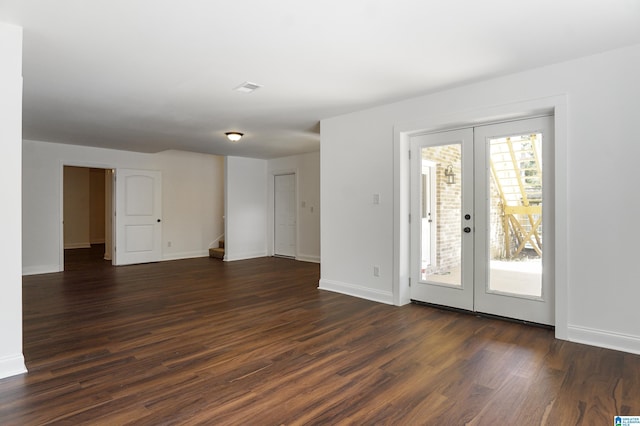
(448, 206)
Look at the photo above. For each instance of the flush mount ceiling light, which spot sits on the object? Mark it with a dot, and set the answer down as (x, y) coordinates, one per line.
(247, 87)
(234, 136)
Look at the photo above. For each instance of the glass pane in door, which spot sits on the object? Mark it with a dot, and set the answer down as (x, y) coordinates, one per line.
(515, 215)
(440, 215)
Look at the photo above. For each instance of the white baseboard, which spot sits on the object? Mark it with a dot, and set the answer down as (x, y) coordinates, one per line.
(185, 255)
(98, 241)
(357, 291)
(12, 366)
(76, 245)
(604, 339)
(243, 256)
(308, 258)
(40, 269)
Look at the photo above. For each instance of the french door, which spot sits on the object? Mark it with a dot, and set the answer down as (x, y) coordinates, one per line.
(481, 219)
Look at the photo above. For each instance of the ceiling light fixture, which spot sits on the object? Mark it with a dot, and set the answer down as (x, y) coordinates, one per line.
(234, 136)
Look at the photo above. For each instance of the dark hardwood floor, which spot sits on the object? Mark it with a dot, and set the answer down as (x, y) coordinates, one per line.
(254, 342)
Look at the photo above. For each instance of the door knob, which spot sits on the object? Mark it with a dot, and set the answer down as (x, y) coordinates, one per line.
(467, 229)
(159, 221)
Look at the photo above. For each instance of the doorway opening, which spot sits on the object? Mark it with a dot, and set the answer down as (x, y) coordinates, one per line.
(87, 216)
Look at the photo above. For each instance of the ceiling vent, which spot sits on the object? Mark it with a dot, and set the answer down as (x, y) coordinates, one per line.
(247, 87)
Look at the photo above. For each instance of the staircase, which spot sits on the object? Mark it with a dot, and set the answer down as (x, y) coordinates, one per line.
(217, 252)
(517, 173)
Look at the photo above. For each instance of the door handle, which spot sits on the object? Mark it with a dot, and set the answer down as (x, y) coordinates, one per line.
(159, 221)
(467, 229)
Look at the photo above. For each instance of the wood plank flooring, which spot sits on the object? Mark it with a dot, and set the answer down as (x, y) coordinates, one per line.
(254, 342)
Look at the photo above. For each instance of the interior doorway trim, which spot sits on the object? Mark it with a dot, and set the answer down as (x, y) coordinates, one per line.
(552, 105)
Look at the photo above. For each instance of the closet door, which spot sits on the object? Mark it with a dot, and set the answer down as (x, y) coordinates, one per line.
(285, 215)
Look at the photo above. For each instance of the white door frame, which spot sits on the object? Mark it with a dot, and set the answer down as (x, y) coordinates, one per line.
(271, 208)
(552, 105)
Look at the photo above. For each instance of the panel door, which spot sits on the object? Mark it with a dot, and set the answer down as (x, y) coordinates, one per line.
(138, 216)
(285, 215)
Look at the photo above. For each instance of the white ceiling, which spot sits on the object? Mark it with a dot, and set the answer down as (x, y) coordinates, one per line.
(151, 75)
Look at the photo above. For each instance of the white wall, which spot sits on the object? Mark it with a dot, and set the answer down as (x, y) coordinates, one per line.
(307, 170)
(596, 206)
(193, 203)
(11, 359)
(245, 208)
(192, 198)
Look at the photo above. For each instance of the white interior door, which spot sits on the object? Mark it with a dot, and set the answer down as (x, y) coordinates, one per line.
(285, 215)
(138, 220)
(489, 197)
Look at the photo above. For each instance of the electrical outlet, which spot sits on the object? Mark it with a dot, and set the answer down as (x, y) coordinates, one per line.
(168, 243)
(376, 198)
(376, 271)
